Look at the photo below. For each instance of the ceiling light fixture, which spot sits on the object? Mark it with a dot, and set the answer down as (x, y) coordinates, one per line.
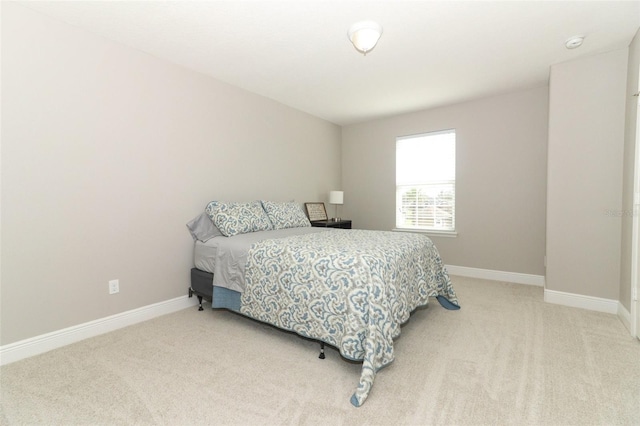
(574, 42)
(364, 35)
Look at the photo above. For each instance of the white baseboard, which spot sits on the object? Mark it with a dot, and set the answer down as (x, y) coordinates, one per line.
(624, 316)
(488, 274)
(550, 296)
(56, 339)
(591, 303)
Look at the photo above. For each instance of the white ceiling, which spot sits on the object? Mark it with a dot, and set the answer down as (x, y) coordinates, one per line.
(432, 53)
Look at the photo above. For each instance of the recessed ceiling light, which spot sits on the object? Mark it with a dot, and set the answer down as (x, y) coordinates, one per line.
(574, 42)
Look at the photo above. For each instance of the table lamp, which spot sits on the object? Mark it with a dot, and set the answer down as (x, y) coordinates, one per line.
(336, 197)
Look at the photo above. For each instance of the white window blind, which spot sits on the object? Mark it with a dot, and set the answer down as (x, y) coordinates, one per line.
(426, 181)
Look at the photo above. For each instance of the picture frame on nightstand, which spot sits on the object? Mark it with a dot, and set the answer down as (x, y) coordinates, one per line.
(316, 211)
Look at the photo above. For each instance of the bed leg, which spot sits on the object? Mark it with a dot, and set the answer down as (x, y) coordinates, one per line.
(200, 308)
(321, 350)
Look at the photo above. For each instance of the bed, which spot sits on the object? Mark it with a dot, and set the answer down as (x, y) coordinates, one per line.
(351, 289)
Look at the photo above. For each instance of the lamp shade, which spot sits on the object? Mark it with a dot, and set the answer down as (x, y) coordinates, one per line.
(364, 35)
(336, 197)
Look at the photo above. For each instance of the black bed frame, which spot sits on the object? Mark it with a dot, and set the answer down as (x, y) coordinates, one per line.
(201, 286)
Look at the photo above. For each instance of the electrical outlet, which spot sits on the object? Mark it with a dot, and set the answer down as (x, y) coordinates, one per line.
(114, 286)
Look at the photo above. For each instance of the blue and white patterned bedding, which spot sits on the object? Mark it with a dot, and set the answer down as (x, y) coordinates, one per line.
(349, 288)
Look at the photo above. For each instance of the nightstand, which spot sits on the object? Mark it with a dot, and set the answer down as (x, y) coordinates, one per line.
(343, 224)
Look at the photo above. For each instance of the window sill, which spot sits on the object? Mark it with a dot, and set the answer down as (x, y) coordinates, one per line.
(430, 233)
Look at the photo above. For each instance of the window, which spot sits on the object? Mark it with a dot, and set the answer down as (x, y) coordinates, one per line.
(426, 181)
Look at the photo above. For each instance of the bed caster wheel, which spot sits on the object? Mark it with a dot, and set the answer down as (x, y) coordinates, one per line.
(321, 350)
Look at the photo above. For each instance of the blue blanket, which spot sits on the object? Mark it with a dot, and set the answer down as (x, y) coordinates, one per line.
(351, 289)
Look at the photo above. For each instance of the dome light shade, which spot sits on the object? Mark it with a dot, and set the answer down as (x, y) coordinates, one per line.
(365, 35)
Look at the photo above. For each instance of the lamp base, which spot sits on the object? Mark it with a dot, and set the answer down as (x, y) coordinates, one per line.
(336, 219)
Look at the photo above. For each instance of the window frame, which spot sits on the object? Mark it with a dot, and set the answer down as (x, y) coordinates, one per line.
(423, 184)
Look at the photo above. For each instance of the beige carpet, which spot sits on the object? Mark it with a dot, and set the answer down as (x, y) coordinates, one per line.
(505, 358)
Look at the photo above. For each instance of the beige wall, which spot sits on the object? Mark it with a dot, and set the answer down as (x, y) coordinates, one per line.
(500, 178)
(633, 74)
(107, 152)
(584, 196)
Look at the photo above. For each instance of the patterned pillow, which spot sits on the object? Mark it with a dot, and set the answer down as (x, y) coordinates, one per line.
(238, 218)
(285, 215)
